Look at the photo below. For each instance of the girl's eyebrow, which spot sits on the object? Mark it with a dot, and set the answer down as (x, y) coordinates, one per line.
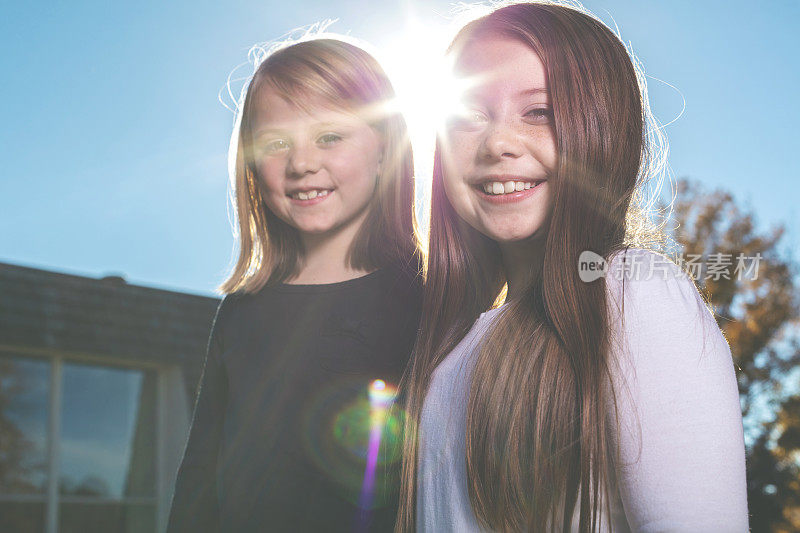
(269, 131)
(282, 131)
(534, 91)
(321, 125)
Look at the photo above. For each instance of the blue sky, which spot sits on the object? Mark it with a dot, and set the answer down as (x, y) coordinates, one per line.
(113, 142)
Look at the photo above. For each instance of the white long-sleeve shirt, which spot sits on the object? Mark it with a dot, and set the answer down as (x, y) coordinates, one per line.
(682, 462)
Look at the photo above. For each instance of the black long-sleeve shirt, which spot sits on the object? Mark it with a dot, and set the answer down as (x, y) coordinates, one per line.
(279, 434)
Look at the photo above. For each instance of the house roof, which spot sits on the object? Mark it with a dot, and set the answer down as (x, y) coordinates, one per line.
(106, 317)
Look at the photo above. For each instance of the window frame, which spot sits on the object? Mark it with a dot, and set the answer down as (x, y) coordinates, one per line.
(51, 497)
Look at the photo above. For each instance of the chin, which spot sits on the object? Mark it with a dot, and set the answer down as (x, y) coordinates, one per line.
(316, 223)
(503, 235)
(314, 230)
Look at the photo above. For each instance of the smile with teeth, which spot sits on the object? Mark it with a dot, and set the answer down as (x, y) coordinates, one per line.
(506, 187)
(310, 195)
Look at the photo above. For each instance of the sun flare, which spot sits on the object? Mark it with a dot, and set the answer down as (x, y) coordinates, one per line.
(427, 94)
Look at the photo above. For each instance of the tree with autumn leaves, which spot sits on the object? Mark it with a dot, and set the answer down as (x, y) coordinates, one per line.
(759, 314)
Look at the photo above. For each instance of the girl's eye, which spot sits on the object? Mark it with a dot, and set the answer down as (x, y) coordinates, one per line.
(329, 139)
(468, 118)
(540, 115)
(275, 146)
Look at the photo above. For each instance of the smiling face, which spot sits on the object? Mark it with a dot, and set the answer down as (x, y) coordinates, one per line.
(498, 154)
(317, 168)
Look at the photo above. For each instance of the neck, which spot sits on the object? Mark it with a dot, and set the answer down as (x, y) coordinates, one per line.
(326, 257)
(522, 261)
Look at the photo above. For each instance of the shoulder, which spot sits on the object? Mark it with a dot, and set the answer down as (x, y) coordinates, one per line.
(653, 285)
(401, 297)
(227, 308)
(404, 279)
(408, 271)
(638, 265)
(656, 310)
(681, 463)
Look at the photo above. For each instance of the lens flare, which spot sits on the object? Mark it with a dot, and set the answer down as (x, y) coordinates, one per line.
(428, 94)
(381, 398)
(351, 428)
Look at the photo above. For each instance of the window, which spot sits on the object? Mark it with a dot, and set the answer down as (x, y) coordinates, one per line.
(24, 391)
(78, 447)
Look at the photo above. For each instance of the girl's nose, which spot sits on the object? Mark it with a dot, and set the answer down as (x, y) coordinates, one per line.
(303, 159)
(501, 141)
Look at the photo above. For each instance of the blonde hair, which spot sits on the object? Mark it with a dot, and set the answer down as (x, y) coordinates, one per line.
(344, 75)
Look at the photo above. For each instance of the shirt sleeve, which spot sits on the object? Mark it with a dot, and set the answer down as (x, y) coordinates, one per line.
(194, 503)
(682, 458)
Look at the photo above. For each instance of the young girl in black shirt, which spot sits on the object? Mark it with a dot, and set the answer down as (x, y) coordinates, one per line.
(321, 309)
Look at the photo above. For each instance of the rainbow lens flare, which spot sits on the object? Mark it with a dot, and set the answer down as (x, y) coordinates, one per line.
(381, 398)
(353, 434)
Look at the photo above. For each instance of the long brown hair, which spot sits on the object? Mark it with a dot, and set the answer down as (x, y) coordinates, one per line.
(530, 463)
(347, 77)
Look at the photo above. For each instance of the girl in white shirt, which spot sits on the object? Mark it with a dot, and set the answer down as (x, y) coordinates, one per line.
(601, 394)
